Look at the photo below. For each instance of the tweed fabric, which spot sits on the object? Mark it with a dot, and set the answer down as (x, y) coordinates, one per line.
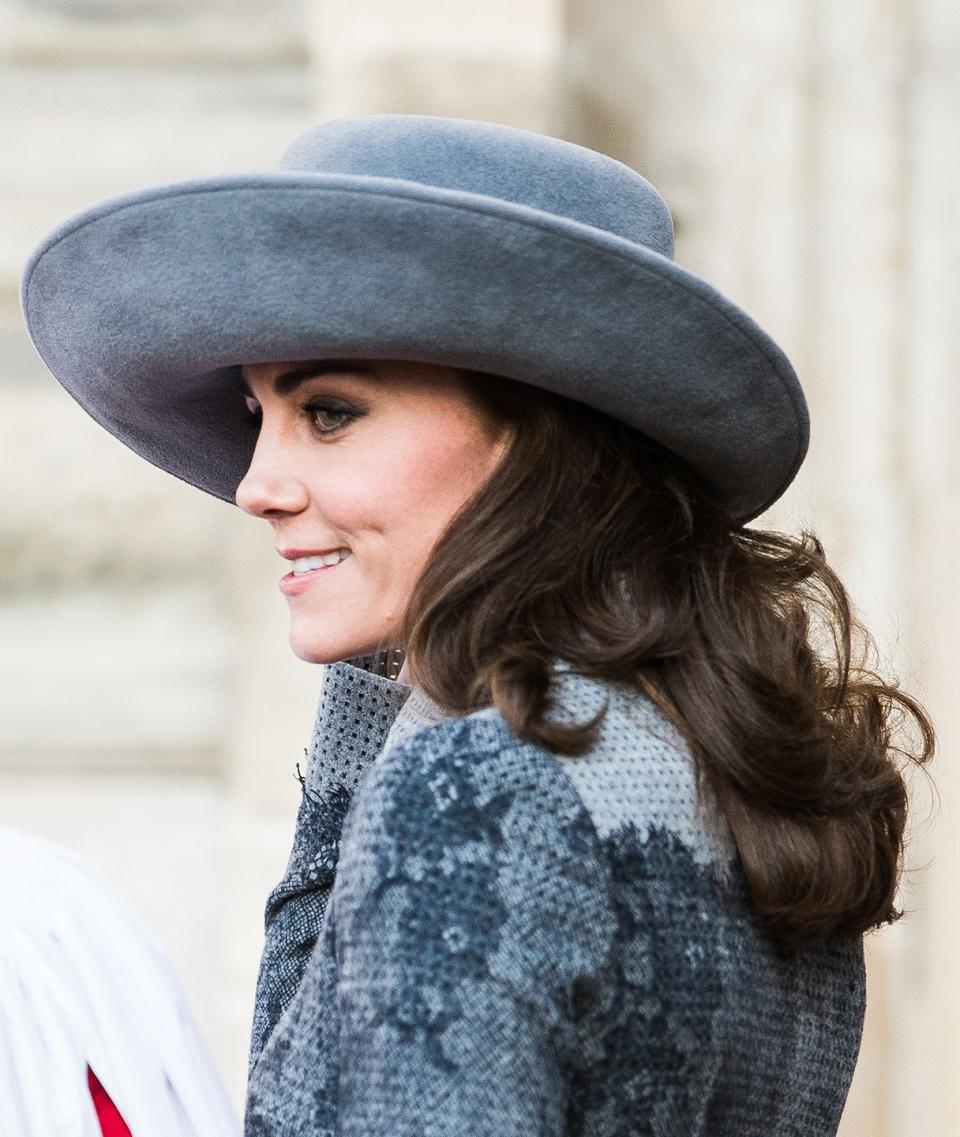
(355, 712)
(518, 943)
(418, 711)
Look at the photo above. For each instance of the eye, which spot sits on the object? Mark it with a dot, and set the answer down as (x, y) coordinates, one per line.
(320, 407)
(320, 411)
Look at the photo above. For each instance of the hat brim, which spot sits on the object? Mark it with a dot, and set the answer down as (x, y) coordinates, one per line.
(145, 306)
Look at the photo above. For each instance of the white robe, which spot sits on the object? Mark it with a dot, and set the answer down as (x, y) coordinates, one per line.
(84, 980)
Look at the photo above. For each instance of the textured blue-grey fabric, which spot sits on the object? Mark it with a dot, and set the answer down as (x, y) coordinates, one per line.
(410, 237)
(475, 935)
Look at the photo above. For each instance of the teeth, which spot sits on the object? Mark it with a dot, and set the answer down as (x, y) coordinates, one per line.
(307, 564)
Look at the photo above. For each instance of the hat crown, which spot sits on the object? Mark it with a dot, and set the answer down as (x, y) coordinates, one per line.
(502, 162)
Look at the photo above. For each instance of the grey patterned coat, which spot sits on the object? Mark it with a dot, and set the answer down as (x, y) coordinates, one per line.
(477, 937)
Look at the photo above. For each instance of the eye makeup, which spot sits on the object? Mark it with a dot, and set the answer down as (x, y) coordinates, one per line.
(314, 408)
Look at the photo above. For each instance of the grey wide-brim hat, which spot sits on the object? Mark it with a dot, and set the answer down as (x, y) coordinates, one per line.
(408, 237)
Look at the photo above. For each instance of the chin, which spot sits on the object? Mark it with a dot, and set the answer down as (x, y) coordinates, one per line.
(312, 652)
(314, 649)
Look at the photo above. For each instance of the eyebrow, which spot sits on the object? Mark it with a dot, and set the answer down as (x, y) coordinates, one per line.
(288, 381)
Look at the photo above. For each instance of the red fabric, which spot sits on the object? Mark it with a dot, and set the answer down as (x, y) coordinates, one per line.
(111, 1123)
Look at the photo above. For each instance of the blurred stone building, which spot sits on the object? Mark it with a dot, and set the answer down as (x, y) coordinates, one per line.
(151, 712)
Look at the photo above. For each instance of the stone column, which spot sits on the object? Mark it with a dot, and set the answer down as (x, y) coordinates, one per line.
(930, 426)
(493, 61)
(807, 150)
(860, 328)
(150, 711)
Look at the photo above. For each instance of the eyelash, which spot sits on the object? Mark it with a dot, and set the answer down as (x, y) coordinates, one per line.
(252, 418)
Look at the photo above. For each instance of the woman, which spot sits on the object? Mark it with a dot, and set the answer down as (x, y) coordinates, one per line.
(599, 856)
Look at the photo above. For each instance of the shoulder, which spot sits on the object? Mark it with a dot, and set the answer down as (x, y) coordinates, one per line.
(62, 912)
(469, 863)
(639, 771)
(472, 781)
(468, 779)
(466, 813)
(44, 885)
(640, 782)
(84, 980)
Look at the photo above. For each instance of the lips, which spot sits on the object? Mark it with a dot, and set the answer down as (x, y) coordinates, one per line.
(294, 583)
(295, 554)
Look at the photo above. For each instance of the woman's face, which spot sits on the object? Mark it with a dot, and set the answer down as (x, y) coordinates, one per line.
(368, 457)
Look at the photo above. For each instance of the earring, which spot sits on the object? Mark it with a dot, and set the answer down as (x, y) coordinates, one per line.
(389, 662)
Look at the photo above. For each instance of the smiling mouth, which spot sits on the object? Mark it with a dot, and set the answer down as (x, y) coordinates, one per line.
(294, 582)
(304, 564)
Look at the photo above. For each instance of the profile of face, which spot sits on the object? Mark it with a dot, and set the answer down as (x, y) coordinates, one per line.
(368, 459)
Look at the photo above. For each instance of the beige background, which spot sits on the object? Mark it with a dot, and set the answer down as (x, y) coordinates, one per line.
(151, 712)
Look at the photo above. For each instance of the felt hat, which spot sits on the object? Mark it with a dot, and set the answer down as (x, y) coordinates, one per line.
(408, 237)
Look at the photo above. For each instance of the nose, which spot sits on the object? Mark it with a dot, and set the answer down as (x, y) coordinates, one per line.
(270, 486)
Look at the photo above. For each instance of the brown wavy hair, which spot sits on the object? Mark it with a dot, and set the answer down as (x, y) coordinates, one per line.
(593, 543)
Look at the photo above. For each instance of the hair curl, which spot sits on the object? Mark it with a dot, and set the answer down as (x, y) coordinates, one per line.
(593, 543)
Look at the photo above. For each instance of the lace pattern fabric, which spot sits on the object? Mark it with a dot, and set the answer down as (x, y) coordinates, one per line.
(514, 942)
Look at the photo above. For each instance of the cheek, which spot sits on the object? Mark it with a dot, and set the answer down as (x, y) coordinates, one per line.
(390, 490)
(439, 477)
(380, 504)
(406, 492)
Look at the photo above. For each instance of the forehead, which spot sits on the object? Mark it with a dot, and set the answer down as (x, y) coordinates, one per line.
(286, 377)
(444, 386)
